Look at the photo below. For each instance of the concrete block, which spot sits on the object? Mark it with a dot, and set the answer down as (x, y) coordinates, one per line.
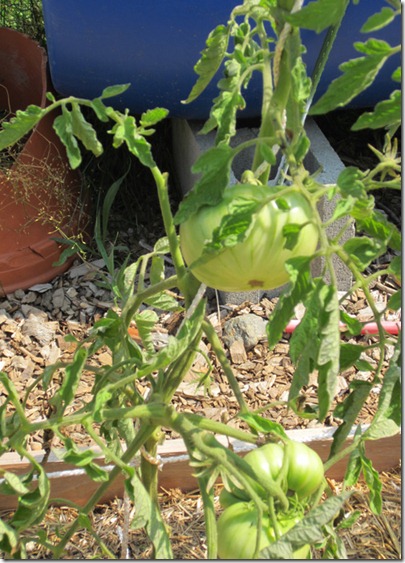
(188, 145)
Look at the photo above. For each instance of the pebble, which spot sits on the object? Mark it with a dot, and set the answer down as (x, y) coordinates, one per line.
(248, 328)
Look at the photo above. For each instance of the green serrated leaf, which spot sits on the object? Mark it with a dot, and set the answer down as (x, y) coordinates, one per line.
(63, 125)
(147, 514)
(301, 286)
(387, 113)
(15, 484)
(18, 126)
(372, 478)
(350, 182)
(379, 227)
(395, 266)
(348, 411)
(84, 131)
(349, 353)
(373, 47)
(291, 233)
(397, 75)
(100, 109)
(211, 59)
(214, 165)
(308, 531)
(363, 250)
(329, 347)
(71, 380)
(318, 15)
(354, 465)
(358, 75)
(153, 116)
(33, 505)
(263, 425)
(9, 538)
(395, 301)
(378, 20)
(115, 90)
(389, 403)
(127, 131)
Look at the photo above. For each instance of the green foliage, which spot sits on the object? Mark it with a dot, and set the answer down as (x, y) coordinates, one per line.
(260, 36)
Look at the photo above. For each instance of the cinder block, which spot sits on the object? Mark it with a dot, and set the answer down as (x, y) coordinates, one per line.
(188, 145)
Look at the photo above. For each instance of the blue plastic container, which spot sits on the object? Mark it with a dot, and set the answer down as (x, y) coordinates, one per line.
(154, 45)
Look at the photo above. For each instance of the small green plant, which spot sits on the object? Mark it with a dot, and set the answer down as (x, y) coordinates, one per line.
(261, 36)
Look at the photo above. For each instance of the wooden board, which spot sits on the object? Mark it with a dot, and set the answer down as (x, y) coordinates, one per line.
(73, 484)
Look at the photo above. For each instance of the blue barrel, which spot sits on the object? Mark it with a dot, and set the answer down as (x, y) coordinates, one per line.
(154, 45)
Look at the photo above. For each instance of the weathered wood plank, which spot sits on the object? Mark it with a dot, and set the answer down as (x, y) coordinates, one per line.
(72, 483)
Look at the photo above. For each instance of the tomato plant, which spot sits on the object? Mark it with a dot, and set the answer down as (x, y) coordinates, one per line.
(234, 238)
(237, 532)
(259, 260)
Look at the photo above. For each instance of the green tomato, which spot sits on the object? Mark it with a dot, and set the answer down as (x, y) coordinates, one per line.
(266, 462)
(304, 472)
(258, 261)
(237, 532)
(305, 469)
(227, 498)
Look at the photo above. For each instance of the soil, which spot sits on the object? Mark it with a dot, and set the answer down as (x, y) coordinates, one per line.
(33, 326)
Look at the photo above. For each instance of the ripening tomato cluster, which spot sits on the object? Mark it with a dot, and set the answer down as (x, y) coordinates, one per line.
(237, 525)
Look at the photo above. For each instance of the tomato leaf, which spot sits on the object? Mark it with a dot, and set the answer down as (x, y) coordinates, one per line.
(264, 425)
(328, 355)
(300, 286)
(153, 116)
(350, 182)
(234, 227)
(147, 514)
(33, 505)
(318, 15)
(19, 125)
(214, 165)
(363, 250)
(127, 131)
(389, 403)
(358, 74)
(9, 539)
(63, 125)
(379, 227)
(349, 354)
(374, 47)
(145, 323)
(348, 411)
(210, 61)
(115, 90)
(291, 233)
(71, 380)
(308, 531)
(386, 113)
(395, 301)
(84, 131)
(372, 478)
(378, 20)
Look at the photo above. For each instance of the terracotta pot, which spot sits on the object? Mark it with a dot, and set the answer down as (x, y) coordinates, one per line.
(40, 196)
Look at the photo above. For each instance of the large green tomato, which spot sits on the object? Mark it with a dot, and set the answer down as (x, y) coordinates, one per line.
(305, 469)
(237, 532)
(257, 262)
(304, 473)
(266, 462)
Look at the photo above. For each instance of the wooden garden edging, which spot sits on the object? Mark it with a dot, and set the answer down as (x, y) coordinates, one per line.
(72, 483)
